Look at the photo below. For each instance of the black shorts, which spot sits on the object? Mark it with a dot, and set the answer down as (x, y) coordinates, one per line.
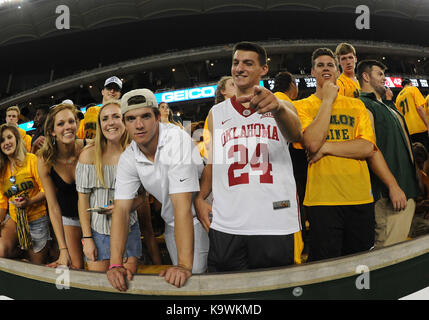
(340, 230)
(229, 252)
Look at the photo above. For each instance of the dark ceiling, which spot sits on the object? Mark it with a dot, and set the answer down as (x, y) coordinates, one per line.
(115, 38)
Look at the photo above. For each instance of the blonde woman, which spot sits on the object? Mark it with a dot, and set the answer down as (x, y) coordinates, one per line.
(225, 89)
(95, 183)
(56, 164)
(27, 225)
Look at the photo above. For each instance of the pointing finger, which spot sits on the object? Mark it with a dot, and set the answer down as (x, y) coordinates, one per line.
(244, 99)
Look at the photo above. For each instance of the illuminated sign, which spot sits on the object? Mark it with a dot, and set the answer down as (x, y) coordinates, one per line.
(396, 82)
(414, 82)
(310, 82)
(186, 94)
(84, 109)
(393, 82)
(27, 126)
(271, 82)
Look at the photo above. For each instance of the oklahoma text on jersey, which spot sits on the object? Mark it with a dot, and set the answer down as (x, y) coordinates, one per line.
(257, 130)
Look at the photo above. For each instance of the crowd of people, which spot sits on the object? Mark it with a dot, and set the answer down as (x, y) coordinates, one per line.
(263, 180)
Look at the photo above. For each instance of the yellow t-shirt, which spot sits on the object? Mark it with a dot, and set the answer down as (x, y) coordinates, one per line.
(336, 180)
(28, 182)
(407, 102)
(81, 131)
(348, 87)
(282, 96)
(88, 125)
(206, 138)
(26, 138)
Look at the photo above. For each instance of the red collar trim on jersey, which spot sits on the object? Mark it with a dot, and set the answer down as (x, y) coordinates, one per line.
(245, 112)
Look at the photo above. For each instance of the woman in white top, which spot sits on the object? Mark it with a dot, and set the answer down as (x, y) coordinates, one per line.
(95, 183)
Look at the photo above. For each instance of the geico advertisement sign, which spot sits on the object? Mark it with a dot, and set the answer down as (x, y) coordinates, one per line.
(186, 94)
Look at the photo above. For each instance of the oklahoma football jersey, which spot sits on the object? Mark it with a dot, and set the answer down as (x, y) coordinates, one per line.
(254, 191)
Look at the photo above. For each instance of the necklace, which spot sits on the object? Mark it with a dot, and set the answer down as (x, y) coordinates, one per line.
(70, 161)
(12, 167)
(72, 157)
(12, 179)
(67, 161)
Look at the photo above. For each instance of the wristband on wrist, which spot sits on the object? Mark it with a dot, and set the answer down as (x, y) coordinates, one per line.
(89, 237)
(65, 248)
(112, 266)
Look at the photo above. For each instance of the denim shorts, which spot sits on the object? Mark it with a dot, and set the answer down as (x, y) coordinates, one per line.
(39, 231)
(133, 246)
(68, 221)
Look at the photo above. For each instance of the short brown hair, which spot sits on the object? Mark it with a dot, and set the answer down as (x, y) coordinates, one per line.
(365, 66)
(250, 46)
(322, 52)
(283, 81)
(344, 48)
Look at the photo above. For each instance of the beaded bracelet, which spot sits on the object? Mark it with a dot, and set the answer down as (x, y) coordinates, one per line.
(112, 266)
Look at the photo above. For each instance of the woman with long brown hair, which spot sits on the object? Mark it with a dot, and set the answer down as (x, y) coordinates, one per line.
(167, 114)
(26, 225)
(57, 164)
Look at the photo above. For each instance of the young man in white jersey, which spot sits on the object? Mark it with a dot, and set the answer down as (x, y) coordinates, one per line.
(159, 158)
(255, 211)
